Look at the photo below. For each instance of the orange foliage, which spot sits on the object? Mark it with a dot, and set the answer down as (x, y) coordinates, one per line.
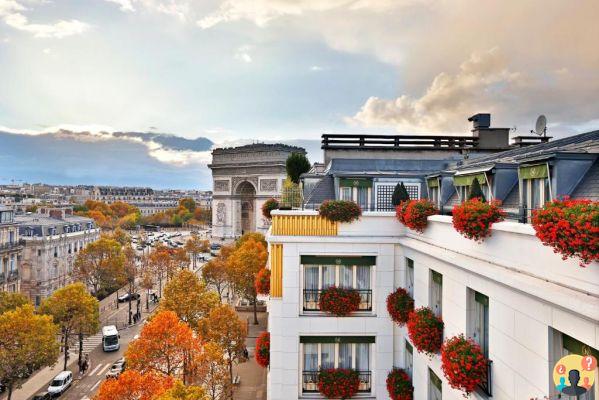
(132, 385)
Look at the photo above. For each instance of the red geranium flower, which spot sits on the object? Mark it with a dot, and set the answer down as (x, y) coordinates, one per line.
(425, 330)
(414, 213)
(262, 281)
(338, 383)
(340, 210)
(263, 349)
(339, 301)
(473, 218)
(399, 306)
(463, 363)
(399, 385)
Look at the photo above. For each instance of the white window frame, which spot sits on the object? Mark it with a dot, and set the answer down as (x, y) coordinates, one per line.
(410, 276)
(436, 294)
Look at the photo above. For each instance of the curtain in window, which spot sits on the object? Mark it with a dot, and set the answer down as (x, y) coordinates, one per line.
(310, 357)
(410, 280)
(345, 355)
(363, 357)
(327, 355)
(346, 276)
(311, 283)
(328, 276)
(479, 325)
(409, 359)
(363, 277)
(363, 198)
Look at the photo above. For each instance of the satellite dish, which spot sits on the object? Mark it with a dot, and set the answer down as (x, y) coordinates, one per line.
(541, 126)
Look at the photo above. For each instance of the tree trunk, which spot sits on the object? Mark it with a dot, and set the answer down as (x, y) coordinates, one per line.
(148, 300)
(230, 378)
(66, 350)
(130, 308)
(160, 287)
(80, 350)
(10, 391)
(255, 310)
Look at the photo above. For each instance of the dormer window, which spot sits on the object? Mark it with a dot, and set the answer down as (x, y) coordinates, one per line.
(356, 189)
(462, 184)
(535, 187)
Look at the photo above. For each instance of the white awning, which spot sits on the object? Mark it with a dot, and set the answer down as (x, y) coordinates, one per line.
(475, 171)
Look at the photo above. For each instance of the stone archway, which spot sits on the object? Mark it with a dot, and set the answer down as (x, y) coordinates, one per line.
(247, 206)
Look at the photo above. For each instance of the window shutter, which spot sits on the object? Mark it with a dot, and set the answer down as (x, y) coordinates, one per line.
(533, 171)
(466, 180)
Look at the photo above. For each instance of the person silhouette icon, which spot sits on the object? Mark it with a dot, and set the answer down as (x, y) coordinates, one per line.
(585, 383)
(574, 389)
(562, 384)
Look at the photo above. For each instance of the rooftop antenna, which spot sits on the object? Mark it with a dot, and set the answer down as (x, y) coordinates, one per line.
(541, 126)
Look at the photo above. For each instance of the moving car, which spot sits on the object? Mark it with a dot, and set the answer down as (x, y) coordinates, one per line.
(60, 383)
(42, 396)
(116, 369)
(125, 297)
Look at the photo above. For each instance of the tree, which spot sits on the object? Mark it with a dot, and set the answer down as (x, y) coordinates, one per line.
(476, 191)
(180, 259)
(100, 265)
(256, 236)
(400, 193)
(216, 378)
(161, 263)
(188, 203)
(189, 298)
(121, 237)
(10, 301)
(27, 343)
(130, 274)
(75, 311)
(195, 246)
(229, 333)
(182, 392)
(146, 280)
(296, 164)
(245, 262)
(133, 385)
(166, 346)
(215, 274)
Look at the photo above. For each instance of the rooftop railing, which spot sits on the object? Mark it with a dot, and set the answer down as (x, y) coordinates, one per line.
(397, 142)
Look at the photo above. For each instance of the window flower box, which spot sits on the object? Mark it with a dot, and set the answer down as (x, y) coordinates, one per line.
(340, 211)
(339, 301)
(399, 306)
(338, 383)
(473, 218)
(463, 363)
(414, 213)
(399, 385)
(425, 330)
(263, 349)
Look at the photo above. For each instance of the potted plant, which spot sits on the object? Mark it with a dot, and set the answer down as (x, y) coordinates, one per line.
(339, 301)
(263, 349)
(338, 383)
(340, 210)
(425, 330)
(571, 227)
(415, 213)
(463, 363)
(399, 306)
(262, 281)
(268, 206)
(473, 218)
(399, 385)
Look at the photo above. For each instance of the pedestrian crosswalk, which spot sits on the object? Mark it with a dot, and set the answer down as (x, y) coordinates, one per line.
(91, 342)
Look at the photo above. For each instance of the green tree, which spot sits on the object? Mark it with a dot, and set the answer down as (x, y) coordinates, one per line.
(476, 191)
(27, 343)
(10, 301)
(400, 193)
(188, 203)
(296, 164)
(75, 311)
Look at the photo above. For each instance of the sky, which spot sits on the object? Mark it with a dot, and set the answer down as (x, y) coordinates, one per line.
(72, 73)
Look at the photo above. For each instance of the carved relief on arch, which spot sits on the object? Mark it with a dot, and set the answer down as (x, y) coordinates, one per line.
(236, 180)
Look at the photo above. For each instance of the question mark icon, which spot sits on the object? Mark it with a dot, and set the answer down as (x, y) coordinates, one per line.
(589, 363)
(560, 369)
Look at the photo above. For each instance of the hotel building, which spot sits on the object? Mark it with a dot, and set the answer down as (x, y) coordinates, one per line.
(523, 304)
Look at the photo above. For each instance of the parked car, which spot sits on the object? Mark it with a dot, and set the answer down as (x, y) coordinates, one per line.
(125, 297)
(60, 383)
(42, 396)
(116, 369)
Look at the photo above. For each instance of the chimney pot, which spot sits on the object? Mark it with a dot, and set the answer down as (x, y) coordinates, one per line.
(481, 120)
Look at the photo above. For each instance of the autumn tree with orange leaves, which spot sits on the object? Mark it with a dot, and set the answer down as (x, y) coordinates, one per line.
(133, 385)
(161, 264)
(245, 263)
(167, 346)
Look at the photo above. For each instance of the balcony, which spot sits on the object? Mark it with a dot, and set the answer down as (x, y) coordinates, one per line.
(13, 275)
(12, 246)
(310, 381)
(312, 299)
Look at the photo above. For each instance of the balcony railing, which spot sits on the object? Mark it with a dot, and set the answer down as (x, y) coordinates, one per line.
(14, 245)
(310, 381)
(487, 384)
(397, 142)
(312, 299)
(13, 275)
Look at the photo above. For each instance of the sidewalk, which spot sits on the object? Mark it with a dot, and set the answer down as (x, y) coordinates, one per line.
(253, 376)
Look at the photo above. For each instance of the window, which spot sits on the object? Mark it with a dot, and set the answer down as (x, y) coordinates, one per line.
(410, 276)
(55, 252)
(409, 359)
(433, 195)
(479, 320)
(436, 292)
(353, 352)
(39, 252)
(535, 193)
(347, 272)
(435, 387)
(384, 194)
(346, 193)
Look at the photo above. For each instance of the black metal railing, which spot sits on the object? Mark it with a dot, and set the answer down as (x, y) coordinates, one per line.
(310, 381)
(312, 299)
(14, 245)
(487, 384)
(397, 142)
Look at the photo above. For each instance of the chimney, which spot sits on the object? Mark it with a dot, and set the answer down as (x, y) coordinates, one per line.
(489, 138)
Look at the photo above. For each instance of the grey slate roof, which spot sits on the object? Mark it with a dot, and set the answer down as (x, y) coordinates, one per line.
(589, 186)
(324, 190)
(342, 166)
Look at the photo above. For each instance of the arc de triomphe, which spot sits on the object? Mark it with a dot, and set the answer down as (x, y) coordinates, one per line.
(243, 179)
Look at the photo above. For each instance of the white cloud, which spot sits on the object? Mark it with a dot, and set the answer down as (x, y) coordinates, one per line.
(243, 54)
(176, 8)
(47, 51)
(316, 68)
(12, 12)
(125, 5)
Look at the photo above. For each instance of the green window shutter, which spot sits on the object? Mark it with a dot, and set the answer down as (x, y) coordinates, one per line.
(481, 298)
(433, 182)
(466, 180)
(435, 379)
(409, 348)
(332, 260)
(437, 277)
(355, 182)
(534, 171)
(337, 339)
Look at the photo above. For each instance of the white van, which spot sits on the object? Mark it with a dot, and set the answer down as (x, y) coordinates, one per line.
(60, 383)
(110, 338)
